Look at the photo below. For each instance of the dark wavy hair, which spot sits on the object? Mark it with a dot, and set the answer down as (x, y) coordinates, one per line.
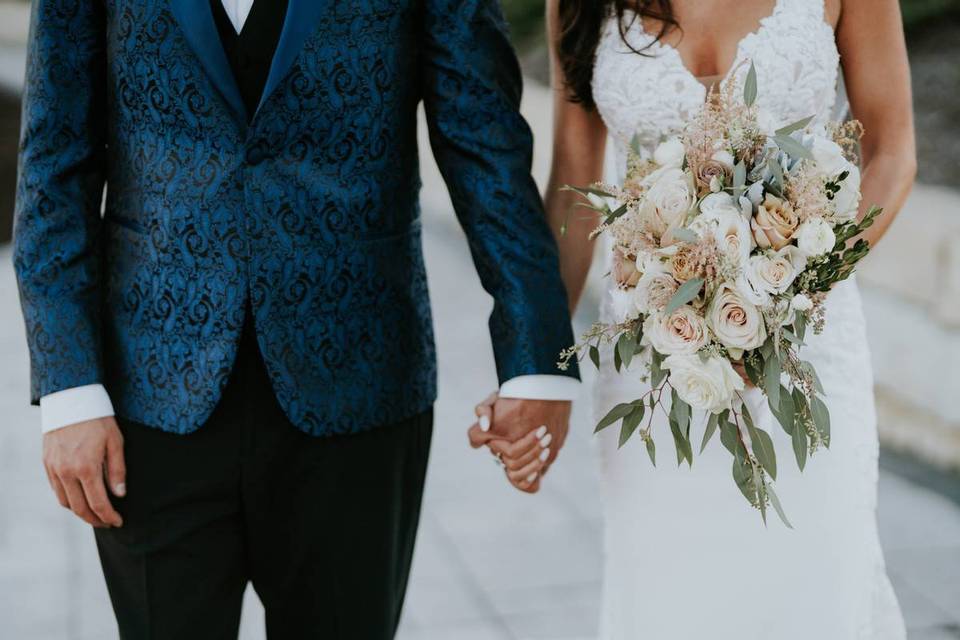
(580, 26)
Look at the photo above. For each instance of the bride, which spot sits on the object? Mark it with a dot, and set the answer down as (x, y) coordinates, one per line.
(685, 556)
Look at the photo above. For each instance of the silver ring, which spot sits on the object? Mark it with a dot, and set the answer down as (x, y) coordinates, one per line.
(499, 460)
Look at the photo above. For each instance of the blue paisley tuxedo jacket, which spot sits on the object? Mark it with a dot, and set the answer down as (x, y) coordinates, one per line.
(151, 208)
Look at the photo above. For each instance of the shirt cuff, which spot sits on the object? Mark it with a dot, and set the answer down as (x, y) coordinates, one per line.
(70, 406)
(541, 387)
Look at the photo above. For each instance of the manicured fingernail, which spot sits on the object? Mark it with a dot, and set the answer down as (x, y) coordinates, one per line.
(532, 477)
(542, 431)
(544, 455)
(120, 489)
(484, 423)
(546, 440)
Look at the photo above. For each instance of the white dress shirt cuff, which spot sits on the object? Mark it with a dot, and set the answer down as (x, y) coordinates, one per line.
(71, 406)
(541, 387)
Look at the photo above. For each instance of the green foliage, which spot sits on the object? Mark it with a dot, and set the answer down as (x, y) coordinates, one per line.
(917, 12)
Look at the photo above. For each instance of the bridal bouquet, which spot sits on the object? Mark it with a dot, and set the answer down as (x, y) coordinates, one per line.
(726, 240)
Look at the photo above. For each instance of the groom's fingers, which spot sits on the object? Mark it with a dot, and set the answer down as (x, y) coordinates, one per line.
(478, 437)
(484, 412)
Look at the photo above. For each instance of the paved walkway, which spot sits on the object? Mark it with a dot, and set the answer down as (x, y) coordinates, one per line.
(491, 564)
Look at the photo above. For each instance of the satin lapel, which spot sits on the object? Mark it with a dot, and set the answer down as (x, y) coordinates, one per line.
(300, 23)
(197, 24)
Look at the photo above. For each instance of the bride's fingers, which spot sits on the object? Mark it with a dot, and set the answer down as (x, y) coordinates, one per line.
(533, 442)
(484, 411)
(527, 474)
(539, 451)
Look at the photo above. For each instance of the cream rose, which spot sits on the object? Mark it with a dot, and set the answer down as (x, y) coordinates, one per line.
(815, 237)
(625, 270)
(682, 332)
(732, 233)
(737, 324)
(623, 304)
(669, 153)
(713, 172)
(775, 223)
(654, 291)
(668, 199)
(706, 385)
(770, 273)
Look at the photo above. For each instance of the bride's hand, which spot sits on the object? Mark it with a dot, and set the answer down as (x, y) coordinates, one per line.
(524, 457)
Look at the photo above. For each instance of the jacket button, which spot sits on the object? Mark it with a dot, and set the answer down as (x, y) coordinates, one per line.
(256, 155)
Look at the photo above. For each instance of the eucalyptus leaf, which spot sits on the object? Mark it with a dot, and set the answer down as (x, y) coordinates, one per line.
(652, 451)
(775, 501)
(712, 423)
(763, 448)
(627, 347)
(750, 86)
(784, 411)
(821, 417)
(800, 445)
(728, 435)
(743, 476)
(588, 191)
(595, 356)
(630, 424)
(619, 412)
(687, 292)
(792, 148)
(796, 126)
(777, 172)
(761, 493)
(771, 379)
(657, 372)
(739, 174)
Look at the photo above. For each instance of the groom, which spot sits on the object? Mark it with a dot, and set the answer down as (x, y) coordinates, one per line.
(218, 237)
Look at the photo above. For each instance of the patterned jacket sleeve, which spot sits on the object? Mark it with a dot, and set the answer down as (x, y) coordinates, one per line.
(483, 146)
(59, 193)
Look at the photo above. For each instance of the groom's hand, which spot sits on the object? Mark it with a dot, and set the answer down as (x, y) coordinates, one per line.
(516, 430)
(78, 458)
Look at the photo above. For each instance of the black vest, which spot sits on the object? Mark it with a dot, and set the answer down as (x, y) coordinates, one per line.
(250, 52)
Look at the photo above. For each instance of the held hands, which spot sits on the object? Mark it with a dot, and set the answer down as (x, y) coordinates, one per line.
(78, 459)
(524, 435)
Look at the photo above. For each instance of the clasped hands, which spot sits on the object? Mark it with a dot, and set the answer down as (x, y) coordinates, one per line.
(524, 436)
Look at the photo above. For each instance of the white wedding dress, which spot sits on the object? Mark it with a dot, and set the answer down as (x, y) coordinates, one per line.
(685, 556)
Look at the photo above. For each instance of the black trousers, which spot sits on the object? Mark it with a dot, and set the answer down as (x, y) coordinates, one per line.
(324, 528)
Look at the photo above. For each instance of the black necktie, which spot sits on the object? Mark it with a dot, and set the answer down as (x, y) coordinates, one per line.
(250, 52)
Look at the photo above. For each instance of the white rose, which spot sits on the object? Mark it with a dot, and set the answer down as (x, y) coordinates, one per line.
(735, 322)
(815, 237)
(654, 291)
(717, 202)
(828, 156)
(732, 232)
(724, 157)
(669, 153)
(801, 302)
(846, 202)
(668, 200)
(682, 332)
(706, 385)
(770, 273)
(623, 305)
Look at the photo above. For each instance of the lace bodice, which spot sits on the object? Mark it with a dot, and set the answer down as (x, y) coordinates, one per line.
(652, 95)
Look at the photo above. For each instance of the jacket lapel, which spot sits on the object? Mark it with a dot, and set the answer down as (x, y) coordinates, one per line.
(300, 23)
(197, 24)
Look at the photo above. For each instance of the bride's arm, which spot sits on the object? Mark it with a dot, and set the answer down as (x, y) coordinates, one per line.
(874, 55)
(579, 136)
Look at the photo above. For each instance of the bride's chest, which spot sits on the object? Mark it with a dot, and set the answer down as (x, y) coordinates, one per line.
(653, 94)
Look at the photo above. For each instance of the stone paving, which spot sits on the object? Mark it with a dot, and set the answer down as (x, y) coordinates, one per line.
(491, 564)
